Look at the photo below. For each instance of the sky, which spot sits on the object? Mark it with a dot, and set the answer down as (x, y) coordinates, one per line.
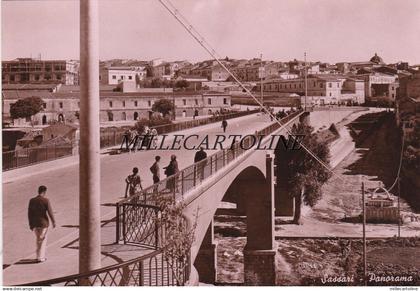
(328, 30)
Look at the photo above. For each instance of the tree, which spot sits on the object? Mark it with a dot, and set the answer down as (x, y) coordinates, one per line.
(163, 106)
(182, 84)
(305, 174)
(26, 108)
(179, 236)
(156, 83)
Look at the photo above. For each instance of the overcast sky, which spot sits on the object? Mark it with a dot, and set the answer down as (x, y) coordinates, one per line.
(328, 30)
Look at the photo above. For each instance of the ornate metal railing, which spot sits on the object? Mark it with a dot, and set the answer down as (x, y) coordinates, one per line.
(130, 227)
(149, 270)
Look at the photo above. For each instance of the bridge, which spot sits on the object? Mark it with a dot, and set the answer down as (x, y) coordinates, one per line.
(238, 175)
(224, 173)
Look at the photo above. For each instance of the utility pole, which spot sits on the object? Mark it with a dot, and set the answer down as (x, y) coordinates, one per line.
(306, 81)
(261, 79)
(399, 217)
(364, 235)
(89, 163)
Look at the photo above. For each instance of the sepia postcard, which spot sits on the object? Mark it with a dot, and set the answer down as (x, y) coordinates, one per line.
(210, 143)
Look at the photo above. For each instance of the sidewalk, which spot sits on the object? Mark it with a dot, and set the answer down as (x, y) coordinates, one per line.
(20, 173)
(64, 260)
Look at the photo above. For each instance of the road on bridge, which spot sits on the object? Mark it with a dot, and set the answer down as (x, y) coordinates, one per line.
(63, 189)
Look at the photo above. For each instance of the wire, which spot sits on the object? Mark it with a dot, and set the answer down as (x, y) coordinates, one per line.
(201, 40)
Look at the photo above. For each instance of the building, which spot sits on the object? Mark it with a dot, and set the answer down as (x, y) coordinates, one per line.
(379, 85)
(321, 89)
(115, 75)
(219, 74)
(36, 71)
(64, 105)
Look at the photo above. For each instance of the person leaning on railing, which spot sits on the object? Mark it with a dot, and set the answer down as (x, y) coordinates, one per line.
(170, 170)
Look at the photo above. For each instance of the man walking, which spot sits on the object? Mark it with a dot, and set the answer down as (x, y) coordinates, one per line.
(224, 124)
(200, 156)
(38, 212)
(155, 169)
(133, 183)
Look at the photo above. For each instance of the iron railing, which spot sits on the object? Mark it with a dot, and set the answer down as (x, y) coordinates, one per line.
(128, 215)
(149, 270)
(29, 156)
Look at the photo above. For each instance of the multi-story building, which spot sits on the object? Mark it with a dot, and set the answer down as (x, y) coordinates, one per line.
(115, 75)
(379, 85)
(321, 89)
(115, 106)
(32, 71)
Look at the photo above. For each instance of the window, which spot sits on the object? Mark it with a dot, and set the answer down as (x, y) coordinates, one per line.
(58, 76)
(47, 77)
(314, 84)
(338, 85)
(295, 86)
(123, 103)
(225, 101)
(184, 101)
(122, 77)
(392, 88)
(36, 77)
(110, 103)
(78, 104)
(321, 85)
(149, 103)
(130, 77)
(209, 101)
(114, 77)
(392, 95)
(196, 102)
(61, 105)
(330, 94)
(136, 103)
(44, 105)
(330, 85)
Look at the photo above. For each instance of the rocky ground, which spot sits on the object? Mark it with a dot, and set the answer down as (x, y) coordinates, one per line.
(320, 261)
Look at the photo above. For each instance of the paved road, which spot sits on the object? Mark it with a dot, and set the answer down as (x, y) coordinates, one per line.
(63, 183)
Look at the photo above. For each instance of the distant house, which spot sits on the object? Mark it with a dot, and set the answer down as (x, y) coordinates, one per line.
(67, 131)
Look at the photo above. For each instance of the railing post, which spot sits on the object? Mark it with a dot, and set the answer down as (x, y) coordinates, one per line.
(156, 229)
(211, 165)
(224, 157)
(141, 273)
(117, 221)
(182, 183)
(123, 224)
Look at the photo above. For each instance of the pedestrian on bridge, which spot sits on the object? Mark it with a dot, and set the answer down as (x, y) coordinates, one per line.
(172, 170)
(224, 124)
(200, 156)
(38, 212)
(133, 182)
(155, 169)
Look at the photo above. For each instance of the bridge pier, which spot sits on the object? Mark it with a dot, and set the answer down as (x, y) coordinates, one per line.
(206, 260)
(259, 253)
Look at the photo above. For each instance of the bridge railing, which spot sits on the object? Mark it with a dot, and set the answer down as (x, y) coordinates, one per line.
(149, 270)
(128, 217)
(29, 156)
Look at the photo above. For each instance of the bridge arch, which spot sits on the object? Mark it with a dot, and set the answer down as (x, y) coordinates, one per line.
(252, 190)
